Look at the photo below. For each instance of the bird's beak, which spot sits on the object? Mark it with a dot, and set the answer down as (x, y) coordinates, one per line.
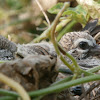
(95, 50)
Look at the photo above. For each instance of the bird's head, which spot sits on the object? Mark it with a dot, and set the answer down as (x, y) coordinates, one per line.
(80, 44)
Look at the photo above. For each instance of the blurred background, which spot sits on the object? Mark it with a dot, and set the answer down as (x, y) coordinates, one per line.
(22, 20)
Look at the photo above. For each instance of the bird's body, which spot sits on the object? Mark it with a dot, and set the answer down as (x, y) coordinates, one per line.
(43, 48)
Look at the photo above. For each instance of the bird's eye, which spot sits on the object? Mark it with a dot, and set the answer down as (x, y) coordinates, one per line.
(83, 45)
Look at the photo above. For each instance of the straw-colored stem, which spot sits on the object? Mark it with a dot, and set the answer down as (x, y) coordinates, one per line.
(15, 86)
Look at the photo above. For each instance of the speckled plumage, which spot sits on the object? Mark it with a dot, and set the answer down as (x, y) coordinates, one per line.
(85, 58)
(7, 49)
(6, 44)
(43, 48)
(68, 40)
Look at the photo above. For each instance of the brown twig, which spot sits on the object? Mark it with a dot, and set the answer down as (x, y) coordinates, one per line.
(95, 98)
(46, 17)
(89, 90)
(93, 92)
(97, 36)
(83, 90)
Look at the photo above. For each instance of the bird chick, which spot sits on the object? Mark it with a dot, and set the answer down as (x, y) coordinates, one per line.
(79, 43)
(82, 46)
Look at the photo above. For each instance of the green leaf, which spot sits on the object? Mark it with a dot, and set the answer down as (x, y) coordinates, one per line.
(55, 9)
(78, 14)
(15, 4)
(92, 7)
(98, 1)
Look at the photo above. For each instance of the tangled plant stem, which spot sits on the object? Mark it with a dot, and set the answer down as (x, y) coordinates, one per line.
(53, 37)
(76, 69)
(58, 85)
(67, 28)
(65, 85)
(46, 33)
(8, 93)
